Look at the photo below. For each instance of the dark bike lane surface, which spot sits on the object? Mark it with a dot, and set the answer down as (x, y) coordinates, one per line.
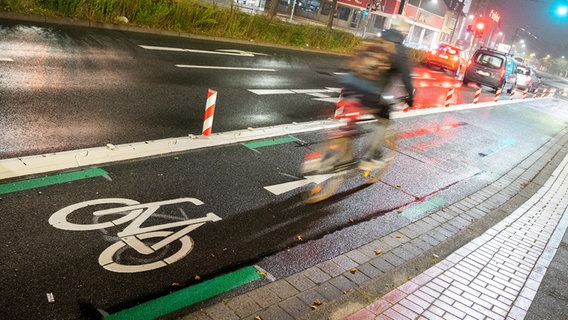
(50, 273)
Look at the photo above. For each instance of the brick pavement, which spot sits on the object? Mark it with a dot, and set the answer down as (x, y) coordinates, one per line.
(480, 257)
(495, 276)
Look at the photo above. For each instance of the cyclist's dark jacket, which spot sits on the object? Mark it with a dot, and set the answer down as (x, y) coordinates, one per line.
(399, 66)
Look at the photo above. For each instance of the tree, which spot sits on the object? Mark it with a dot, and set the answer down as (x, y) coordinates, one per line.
(331, 14)
(273, 7)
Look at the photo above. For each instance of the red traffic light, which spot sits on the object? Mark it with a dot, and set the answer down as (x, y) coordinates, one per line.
(480, 26)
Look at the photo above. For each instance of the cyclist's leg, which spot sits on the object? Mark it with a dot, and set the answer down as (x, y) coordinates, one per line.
(377, 142)
(374, 152)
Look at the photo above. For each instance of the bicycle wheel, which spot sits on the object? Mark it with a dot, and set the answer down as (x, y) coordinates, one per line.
(373, 176)
(330, 157)
(332, 152)
(121, 258)
(61, 219)
(323, 190)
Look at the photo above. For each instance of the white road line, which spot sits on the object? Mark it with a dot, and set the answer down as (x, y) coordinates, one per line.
(261, 92)
(193, 66)
(17, 167)
(242, 52)
(6, 60)
(314, 92)
(310, 90)
(226, 52)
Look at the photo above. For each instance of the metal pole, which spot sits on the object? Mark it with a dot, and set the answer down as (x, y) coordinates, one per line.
(293, 7)
(458, 11)
(411, 33)
(514, 39)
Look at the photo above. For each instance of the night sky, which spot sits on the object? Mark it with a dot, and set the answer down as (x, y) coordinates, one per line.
(538, 17)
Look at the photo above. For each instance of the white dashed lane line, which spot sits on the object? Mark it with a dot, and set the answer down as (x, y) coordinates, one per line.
(192, 66)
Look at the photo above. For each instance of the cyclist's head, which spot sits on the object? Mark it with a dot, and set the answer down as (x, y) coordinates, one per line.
(400, 23)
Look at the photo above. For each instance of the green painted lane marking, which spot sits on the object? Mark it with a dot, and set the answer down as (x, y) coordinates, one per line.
(269, 142)
(188, 296)
(51, 180)
(419, 208)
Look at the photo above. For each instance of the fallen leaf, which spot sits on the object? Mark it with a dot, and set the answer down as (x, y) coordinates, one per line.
(347, 291)
(175, 284)
(263, 273)
(353, 270)
(299, 237)
(399, 211)
(318, 303)
(377, 252)
(197, 277)
(257, 318)
(398, 236)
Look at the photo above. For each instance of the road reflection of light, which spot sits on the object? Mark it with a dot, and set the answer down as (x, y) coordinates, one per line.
(42, 58)
(268, 81)
(53, 135)
(423, 84)
(438, 130)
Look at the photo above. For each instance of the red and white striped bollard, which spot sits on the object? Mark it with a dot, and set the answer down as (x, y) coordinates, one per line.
(543, 93)
(497, 94)
(449, 97)
(339, 107)
(477, 95)
(535, 93)
(512, 93)
(209, 110)
(525, 92)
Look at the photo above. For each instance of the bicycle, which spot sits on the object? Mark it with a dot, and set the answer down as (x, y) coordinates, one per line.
(337, 156)
(134, 235)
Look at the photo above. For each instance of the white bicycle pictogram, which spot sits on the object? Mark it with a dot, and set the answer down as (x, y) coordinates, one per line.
(134, 235)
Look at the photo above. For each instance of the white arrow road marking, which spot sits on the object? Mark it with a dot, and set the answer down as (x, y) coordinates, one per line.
(289, 91)
(243, 52)
(192, 66)
(332, 100)
(222, 52)
(270, 91)
(281, 188)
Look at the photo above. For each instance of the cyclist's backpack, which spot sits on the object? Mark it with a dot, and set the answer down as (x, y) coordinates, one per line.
(372, 59)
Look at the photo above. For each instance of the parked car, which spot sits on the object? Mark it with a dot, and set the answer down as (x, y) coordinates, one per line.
(491, 68)
(527, 78)
(447, 57)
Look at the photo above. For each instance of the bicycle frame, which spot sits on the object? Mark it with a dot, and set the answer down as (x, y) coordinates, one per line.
(141, 212)
(136, 214)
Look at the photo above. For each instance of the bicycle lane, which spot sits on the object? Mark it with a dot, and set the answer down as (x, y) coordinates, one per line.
(45, 263)
(52, 260)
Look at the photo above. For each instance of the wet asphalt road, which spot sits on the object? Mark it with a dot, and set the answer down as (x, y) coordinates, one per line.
(440, 158)
(77, 87)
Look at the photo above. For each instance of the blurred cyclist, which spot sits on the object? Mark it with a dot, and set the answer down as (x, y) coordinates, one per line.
(374, 66)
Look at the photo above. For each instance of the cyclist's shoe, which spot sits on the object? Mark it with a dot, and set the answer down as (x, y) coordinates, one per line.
(371, 164)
